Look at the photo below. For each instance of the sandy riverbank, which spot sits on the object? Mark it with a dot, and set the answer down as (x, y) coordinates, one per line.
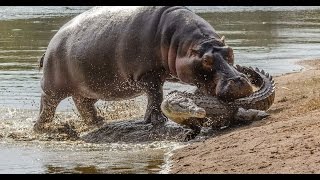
(286, 142)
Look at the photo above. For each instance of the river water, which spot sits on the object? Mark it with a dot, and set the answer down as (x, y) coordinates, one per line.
(271, 38)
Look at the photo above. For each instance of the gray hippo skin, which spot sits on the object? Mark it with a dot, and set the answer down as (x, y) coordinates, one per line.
(119, 53)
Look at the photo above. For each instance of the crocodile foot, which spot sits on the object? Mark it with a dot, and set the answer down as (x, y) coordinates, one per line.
(250, 115)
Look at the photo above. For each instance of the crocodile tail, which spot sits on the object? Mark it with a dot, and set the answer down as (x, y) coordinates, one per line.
(264, 97)
(41, 61)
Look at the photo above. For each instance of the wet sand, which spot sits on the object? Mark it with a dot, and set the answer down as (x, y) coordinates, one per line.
(286, 142)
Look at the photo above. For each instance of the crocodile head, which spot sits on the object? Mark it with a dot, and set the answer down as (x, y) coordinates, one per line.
(178, 107)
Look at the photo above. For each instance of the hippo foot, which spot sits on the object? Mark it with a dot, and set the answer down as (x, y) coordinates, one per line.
(40, 127)
(155, 118)
(65, 130)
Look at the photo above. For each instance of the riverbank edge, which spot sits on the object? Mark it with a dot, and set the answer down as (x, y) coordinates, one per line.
(183, 159)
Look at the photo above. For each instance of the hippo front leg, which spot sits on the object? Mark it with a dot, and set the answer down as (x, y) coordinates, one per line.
(153, 85)
(153, 113)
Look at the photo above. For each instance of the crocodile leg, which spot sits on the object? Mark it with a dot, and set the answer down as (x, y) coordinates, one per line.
(250, 115)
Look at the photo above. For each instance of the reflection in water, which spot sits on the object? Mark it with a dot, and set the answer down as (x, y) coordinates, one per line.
(79, 169)
(132, 166)
(152, 167)
(270, 39)
(79, 157)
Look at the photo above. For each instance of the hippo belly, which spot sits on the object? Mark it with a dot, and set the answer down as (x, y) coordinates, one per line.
(119, 89)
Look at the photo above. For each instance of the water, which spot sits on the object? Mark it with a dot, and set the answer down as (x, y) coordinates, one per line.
(70, 157)
(271, 38)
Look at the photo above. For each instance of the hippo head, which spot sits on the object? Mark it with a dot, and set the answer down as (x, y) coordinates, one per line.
(209, 66)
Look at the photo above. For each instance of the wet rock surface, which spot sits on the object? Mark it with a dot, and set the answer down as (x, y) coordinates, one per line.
(130, 131)
(138, 131)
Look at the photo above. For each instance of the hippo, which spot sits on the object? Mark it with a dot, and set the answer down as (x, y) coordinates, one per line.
(118, 53)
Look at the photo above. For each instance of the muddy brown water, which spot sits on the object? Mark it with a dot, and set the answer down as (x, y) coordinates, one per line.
(271, 38)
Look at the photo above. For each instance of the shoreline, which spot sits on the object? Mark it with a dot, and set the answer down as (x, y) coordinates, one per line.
(288, 141)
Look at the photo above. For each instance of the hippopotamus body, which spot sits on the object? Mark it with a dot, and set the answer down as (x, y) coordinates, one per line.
(116, 53)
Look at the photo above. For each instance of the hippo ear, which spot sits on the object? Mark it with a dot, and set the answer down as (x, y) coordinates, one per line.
(223, 39)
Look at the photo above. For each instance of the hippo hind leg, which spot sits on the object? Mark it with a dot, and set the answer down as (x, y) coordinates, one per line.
(87, 110)
(48, 106)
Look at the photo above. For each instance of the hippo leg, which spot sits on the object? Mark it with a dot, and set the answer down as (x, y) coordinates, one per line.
(48, 106)
(153, 84)
(87, 110)
(153, 113)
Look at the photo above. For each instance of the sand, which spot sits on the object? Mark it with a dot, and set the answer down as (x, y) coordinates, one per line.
(286, 142)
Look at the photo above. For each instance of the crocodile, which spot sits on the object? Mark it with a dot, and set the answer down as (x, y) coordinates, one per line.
(196, 109)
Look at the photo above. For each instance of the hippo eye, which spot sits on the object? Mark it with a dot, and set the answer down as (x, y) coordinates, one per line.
(207, 63)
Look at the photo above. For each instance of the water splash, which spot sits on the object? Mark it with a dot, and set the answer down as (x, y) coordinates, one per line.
(47, 154)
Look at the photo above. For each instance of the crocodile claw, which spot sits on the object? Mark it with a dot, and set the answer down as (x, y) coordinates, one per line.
(250, 115)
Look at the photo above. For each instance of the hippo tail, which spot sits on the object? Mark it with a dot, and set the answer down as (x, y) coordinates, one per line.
(41, 61)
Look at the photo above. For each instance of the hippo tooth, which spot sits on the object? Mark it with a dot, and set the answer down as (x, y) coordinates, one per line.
(262, 71)
(257, 69)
